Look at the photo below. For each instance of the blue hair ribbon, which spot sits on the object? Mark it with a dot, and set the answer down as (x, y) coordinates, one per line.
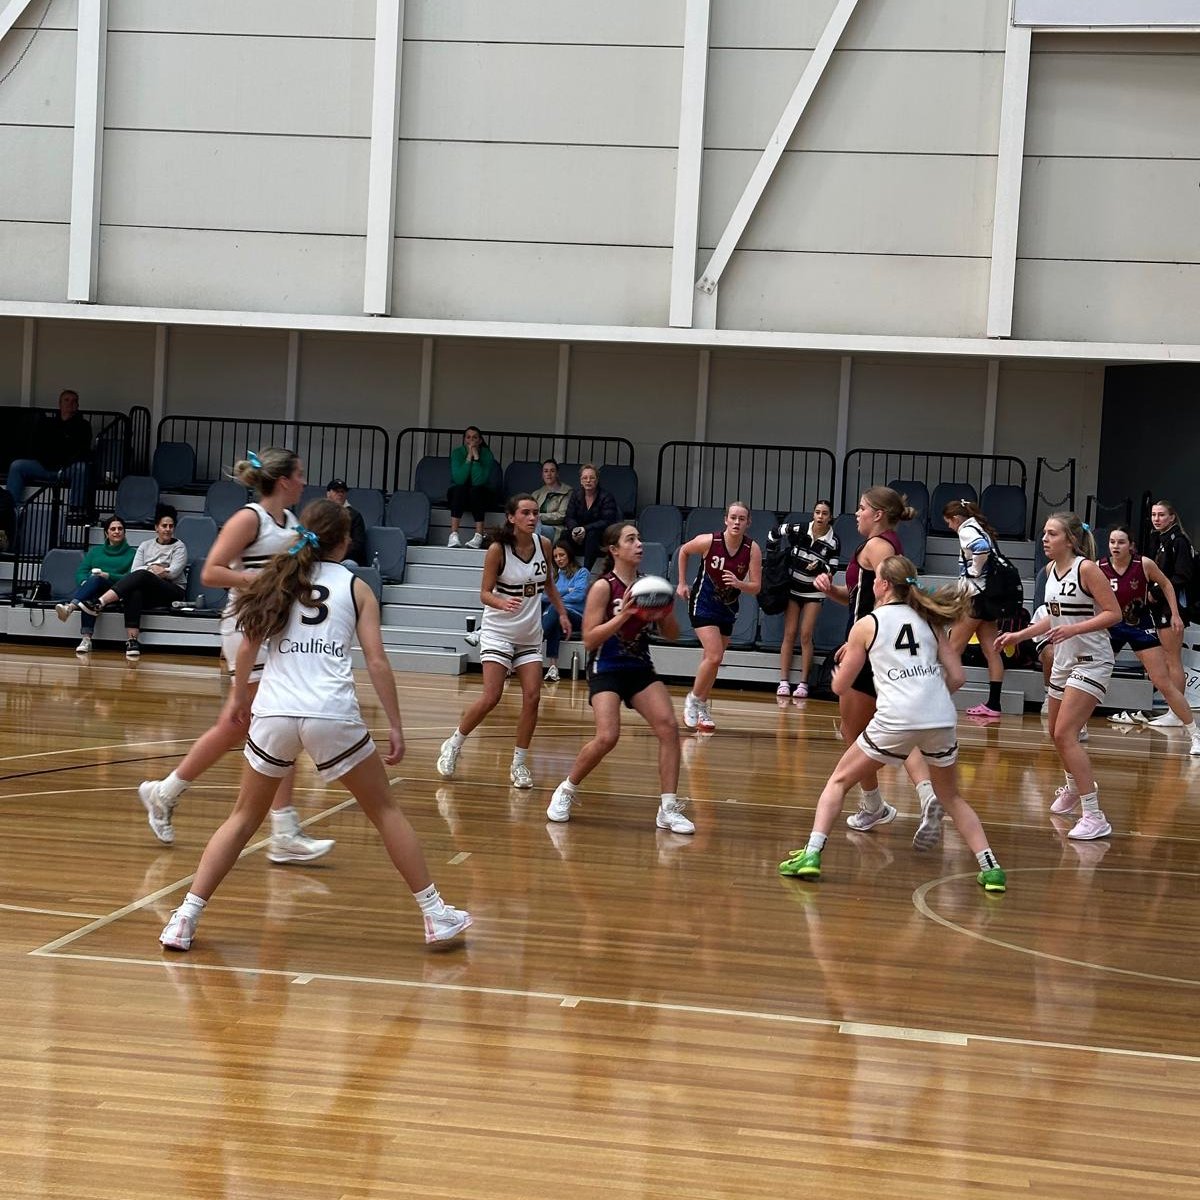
(253, 459)
(305, 536)
(910, 581)
(1086, 527)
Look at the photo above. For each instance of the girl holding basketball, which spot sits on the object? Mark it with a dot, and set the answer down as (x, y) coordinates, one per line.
(616, 633)
(307, 610)
(516, 572)
(915, 669)
(730, 565)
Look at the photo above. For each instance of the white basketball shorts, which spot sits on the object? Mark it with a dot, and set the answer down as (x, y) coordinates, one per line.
(334, 746)
(939, 746)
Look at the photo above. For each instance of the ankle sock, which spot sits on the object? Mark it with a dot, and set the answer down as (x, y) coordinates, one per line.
(986, 859)
(429, 900)
(519, 756)
(925, 792)
(457, 738)
(816, 841)
(173, 786)
(668, 800)
(873, 800)
(1091, 802)
(1071, 782)
(192, 905)
(284, 820)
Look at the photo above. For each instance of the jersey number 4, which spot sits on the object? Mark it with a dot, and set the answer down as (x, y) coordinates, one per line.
(317, 604)
(907, 640)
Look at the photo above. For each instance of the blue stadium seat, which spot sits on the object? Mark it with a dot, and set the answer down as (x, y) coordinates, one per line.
(770, 630)
(58, 570)
(387, 548)
(568, 473)
(917, 495)
(213, 598)
(830, 631)
(174, 465)
(137, 500)
(912, 538)
(311, 492)
(703, 520)
(369, 502)
(433, 478)
(522, 476)
(622, 481)
(845, 527)
(687, 635)
(197, 532)
(372, 579)
(223, 498)
(942, 495)
(1004, 506)
(655, 560)
(409, 511)
(662, 523)
(745, 627)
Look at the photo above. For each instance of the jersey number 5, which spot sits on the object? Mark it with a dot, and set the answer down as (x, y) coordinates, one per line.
(317, 603)
(907, 640)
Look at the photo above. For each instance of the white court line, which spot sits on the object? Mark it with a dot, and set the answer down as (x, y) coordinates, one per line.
(900, 1033)
(100, 922)
(48, 912)
(923, 908)
(92, 750)
(459, 858)
(563, 1000)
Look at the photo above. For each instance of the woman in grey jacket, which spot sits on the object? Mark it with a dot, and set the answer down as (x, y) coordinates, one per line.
(154, 581)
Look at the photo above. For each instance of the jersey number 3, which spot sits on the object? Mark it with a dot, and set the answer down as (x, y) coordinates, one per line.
(317, 603)
(906, 640)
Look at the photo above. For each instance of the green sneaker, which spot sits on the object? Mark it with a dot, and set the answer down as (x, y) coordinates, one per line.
(804, 863)
(993, 880)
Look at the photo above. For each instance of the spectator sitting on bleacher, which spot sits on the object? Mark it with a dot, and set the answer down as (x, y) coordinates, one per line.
(590, 511)
(62, 445)
(156, 580)
(551, 499)
(356, 552)
(470, 469)
(102, 566)
(572, 583)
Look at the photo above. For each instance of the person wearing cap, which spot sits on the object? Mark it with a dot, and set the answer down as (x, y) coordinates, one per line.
(356, 552)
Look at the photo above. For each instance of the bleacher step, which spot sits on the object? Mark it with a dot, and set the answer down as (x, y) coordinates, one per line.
(419, 658)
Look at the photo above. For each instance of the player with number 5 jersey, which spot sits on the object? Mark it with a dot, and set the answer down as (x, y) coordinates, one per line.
(915, 668)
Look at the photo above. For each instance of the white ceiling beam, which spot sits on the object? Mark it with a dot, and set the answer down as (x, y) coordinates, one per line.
(777, 144)
(83, 246)
(385, 153)
(1010, 161)
(10, 14)
(689, 161)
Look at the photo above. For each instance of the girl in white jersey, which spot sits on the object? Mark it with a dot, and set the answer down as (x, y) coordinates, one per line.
(310, 608)
(1080, 608)
(915, 669)
(516, 573)
(246, 543)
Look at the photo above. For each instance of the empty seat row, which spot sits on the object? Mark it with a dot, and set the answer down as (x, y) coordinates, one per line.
(1003, 504)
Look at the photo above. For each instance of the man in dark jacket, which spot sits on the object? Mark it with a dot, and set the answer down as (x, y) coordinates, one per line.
(356, 552)
(62, 446)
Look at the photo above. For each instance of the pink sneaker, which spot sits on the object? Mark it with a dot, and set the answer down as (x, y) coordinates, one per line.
(982, 710)
(1065, 800)
(1089, 827)
(801, 692)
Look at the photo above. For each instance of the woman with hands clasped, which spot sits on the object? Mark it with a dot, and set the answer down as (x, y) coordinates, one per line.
(102, 566)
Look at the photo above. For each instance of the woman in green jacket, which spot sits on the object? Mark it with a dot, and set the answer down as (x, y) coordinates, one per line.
(102, 566)
(470, 469)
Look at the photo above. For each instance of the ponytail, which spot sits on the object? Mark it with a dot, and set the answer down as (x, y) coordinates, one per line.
(969, 511)
(941, 607)
(888, 501)
(262, 471)
(611, 536)
(1078, 532)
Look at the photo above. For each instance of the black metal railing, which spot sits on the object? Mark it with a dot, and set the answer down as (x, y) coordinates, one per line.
(45, 522)
(416, 443)
(359, 454)
(865, 468)
(1144, 524)
(139, 439)
(779, 479)
(1063, 499)
(1100, 515)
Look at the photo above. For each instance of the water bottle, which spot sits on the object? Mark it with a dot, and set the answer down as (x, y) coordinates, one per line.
(375, 564)
(574, 666)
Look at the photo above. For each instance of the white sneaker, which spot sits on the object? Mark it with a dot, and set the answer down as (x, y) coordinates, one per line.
(158, 811)
(65, 610)
(670, 816)
(520, 776)
(1045, 709)
(551, 674)
(1122, 718)
(690, 713)
(704, 721)
(1090, 826)
(297, 847)
(448, 923)
(1194, 751)
(559, 808)
(1065, 800)
(447, 758)
(472, 638)
(1083, 734)
(454, 541)
(179, 931)
(1168, 720)
(476, 543)
(85, 645)
(867, 818)
(929, 832)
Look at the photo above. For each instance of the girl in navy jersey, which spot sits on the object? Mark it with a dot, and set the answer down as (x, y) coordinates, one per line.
(516, 573)
(730, 564)
(246, 543)
(308, 609)
(880, 510)
(1081, 608)
(620, 671)
(915, 669)
(1130, 577)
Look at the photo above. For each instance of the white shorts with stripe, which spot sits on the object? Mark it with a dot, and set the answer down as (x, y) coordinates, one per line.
(334, 746)
(231, 643)
(494, 647)
(939, 746)
(1084, 673)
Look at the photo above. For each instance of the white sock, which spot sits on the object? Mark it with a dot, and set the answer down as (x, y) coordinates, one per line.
(1091, 802)
(284, 820)
(925, 791)
(873, 799)
(192, 905)
(457, 738)
(816, 841)
(1191, 730)
(668, 800)
(173, 786)
(1071, 782)
(568, 787)
(429, 901)
(519, 756)
(986, 859)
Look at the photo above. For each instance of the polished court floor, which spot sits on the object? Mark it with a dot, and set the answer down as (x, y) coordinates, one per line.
(634, 1014)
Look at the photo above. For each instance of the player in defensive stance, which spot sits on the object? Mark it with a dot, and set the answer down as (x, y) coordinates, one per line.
(308, 608)
(516, 571)
(1081, 609)
(915, 669)
(620, 671)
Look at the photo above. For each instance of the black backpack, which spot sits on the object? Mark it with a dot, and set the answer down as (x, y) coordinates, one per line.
(776, 579)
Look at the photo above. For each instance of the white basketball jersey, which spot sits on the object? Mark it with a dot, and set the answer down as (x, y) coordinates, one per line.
(1069, 603)
(908, 676)
(526, 581)
(308, 671)
(270, 540)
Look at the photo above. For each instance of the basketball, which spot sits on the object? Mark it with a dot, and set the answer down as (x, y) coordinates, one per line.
(653, 595)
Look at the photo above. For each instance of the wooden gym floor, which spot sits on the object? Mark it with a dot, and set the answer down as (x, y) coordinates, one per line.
(634, 1014)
